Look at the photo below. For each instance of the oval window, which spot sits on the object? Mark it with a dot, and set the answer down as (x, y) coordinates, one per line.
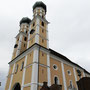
(55, 67)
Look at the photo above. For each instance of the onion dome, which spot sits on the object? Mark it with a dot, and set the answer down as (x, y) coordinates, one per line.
(25, 20)
(40, 4)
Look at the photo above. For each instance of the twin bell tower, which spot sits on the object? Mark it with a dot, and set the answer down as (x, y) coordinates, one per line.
(29, 66)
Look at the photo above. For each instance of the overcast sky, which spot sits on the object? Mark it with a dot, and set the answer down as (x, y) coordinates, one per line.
(69, 29)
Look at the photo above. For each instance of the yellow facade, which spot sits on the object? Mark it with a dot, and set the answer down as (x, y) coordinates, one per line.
(17, 77)
(70, 77)
(28, 74)
(40, 62)
(57, 72)
(29, 58)
(42, 74)
(27, 88)
(43, 58)
(7, 83)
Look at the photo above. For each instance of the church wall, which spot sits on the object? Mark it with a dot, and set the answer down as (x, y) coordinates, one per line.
(10, 70)
(42, 74)
(27, 88)
(31, 42)
(43, 58)
(39, 87)
(69, 76)
(38, 61)
(23, 47)
(28, 74)
(29, 58)
(42, 43)
(57, 72)
(42, 32)
(17, 77)
(8, 82)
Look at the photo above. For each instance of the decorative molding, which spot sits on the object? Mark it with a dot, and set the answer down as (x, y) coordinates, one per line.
(29, 84)
(38, 36)
(37, 31)
(23, 55)
(23, 77)
(47, 38)
(11, 77)
(64, 79)
(35, 70)
(21, 33)
(75, 75)
(38, 16)
(48, 70)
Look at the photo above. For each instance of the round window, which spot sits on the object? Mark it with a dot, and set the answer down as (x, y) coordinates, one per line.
(69, 72)
(55, 67)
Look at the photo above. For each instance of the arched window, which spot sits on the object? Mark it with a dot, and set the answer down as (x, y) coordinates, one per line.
(16, 69)
(43, 24)
(56, 81)
(16, 86)
(15, 46)
(25, 39)
(32, 31)
(22, 65)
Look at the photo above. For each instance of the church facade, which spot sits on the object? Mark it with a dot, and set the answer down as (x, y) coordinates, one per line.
(33, 62)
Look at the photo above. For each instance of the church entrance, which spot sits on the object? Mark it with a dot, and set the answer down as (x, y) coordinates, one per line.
(16, 87)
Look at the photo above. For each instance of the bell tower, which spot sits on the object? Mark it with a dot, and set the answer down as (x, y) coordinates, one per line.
(22, 37)
(39, 26)
(30, 64)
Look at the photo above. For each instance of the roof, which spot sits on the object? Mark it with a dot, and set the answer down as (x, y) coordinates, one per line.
(56, 54)
(25, 20)
(40, 4)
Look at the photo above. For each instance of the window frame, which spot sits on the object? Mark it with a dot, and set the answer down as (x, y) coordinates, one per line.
(56, 67)
(22, 66)
(68, 72)
(57, 79)
(16, 69)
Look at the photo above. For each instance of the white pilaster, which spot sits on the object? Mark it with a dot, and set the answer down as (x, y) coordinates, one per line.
(19, 45)
(28, 37)
(75, 75)
(34, 80)
(83, 74)
(11, 77)
(64, 78)
(48, 70)
(23, 77)
(37, 31)
(47, 38)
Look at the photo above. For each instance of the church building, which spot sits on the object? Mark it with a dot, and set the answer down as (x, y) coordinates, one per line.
(33, 62)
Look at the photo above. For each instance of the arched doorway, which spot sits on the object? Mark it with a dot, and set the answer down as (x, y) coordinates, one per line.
(56, 81)
(16, 87)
